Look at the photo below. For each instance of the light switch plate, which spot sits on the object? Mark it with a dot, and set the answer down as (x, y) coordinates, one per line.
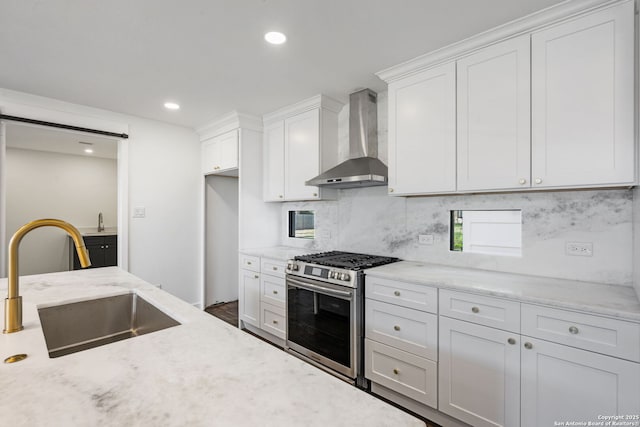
(139, 212)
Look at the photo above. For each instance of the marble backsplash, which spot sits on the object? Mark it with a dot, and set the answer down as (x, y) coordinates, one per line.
(368, 220)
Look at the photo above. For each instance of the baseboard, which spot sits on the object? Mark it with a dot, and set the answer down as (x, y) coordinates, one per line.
(425, 411)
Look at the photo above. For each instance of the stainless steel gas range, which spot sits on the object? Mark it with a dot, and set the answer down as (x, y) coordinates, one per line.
(325, 315)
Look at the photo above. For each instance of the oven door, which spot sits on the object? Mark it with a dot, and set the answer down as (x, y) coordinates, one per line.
(321, 323)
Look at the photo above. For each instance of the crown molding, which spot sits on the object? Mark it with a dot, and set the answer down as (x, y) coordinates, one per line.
(317, 101)
(526, 24)
(228, 122)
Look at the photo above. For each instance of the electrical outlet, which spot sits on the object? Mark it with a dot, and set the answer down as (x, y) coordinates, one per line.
(579, 248)
(425, 239)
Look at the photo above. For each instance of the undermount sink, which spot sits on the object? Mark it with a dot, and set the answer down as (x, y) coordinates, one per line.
(79, 326)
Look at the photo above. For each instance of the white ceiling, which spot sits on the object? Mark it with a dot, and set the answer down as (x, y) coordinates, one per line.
(209, 55)
(59, 141)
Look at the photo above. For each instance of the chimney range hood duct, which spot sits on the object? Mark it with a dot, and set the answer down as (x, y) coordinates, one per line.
(363, 169)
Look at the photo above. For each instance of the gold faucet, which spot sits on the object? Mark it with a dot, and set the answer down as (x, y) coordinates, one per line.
(13, 302)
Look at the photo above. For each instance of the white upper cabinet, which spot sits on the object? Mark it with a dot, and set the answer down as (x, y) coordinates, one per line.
(300, 142)
(301, 155)
(422, 132)
(220, 154)
(583, 100)
(544, 102)
(274, 162)
(493, 88)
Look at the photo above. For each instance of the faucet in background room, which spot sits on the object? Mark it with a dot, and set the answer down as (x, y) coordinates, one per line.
(13, 302)
(100, 223)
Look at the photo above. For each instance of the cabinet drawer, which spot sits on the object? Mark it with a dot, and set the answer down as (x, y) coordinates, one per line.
(600, 334)
(272, 320)
(272, 290)
(411, 295)
(488, 311)
(408, 374)
(403, 328)
(273, 267)
(250, 262)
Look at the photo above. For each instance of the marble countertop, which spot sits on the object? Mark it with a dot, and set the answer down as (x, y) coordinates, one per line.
(203, 372)
(93, 231)
(596, 298)
(280, 253)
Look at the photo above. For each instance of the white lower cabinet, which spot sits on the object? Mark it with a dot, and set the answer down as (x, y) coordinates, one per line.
(406, 373)
(561, 383)
(261, 302)
(249, 297)
(479, 373)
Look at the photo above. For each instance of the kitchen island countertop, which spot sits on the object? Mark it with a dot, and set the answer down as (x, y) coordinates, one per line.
(203, 372)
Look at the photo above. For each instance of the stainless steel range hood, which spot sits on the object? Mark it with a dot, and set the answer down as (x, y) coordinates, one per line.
(363, 169)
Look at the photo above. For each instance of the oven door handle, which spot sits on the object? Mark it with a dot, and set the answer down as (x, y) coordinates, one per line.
(321, 289)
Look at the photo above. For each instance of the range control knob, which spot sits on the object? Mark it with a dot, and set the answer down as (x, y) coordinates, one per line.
(346, 277)
(332, 274)
(296, 267)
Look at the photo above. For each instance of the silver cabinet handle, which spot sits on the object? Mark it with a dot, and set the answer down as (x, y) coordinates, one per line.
(255, 276)
(391, 190)
(538, 181)
(396, 328)
(275, 322)
(522, 181)
(528, 345)
(275, 292)
(511, 341)
(573, 330)
(280, 196)
(396, 371)
(275, 268)
(475, 309)
(315, 194)
(396, 293)
(248, 262)
(102, 247)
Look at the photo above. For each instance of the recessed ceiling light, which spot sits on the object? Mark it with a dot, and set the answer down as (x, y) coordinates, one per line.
(88, 150)
(171, 106)
(275, 37)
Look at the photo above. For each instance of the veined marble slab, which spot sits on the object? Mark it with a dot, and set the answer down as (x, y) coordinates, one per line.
(280, 253)
(201, 373)
(596, 298)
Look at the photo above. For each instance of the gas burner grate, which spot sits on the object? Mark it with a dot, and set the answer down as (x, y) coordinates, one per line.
(346, 260)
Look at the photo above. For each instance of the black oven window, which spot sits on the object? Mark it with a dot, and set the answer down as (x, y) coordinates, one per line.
(320, 323)
(302, 224)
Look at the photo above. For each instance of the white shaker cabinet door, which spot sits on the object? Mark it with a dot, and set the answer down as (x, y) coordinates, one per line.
(479, 374)
(302, 155)
(582, 100)
(494, 133)
(220, 154)
(561, 383)
(273, 173)
(422, 132)
(249, 297)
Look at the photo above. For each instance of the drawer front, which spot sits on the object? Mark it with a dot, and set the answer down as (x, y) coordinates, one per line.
(411, 295)
(272, 290)
(595, 333)
(488, 311)
(403, 328)
(249, 262)
(408, 374)
(272, 320)
(273, 267)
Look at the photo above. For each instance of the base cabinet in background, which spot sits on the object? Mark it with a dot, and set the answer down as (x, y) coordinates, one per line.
(103, 251)
(261, 296)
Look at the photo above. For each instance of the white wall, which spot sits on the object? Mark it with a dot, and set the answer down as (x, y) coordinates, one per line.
(636, 240)
(221, 245)
(52, 185)
(162, 174)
